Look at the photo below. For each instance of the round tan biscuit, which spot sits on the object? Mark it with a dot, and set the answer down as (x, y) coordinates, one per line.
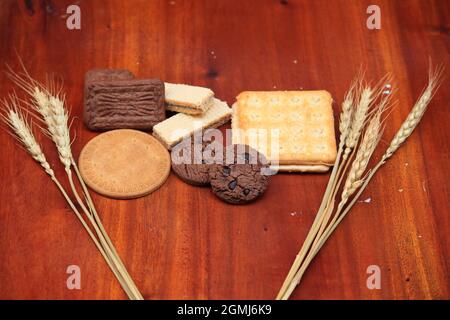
(124, 164)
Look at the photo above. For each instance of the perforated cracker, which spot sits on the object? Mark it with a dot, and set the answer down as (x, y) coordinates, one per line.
(302, 120)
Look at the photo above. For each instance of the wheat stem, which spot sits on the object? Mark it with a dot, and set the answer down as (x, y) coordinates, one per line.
(93, 210)
(109, 251)
(95, 240)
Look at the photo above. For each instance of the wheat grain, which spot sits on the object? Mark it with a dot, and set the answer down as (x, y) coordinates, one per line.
(359, 117)
(59, 127)
(368, 144)
(347, 112)
(14, 118)
(54, 114)
(50, 105)
(416, 114)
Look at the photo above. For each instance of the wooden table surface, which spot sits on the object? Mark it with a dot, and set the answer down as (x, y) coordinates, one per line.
(181, 242)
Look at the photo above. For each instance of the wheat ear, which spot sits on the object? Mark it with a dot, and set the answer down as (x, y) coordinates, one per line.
(358, 119)
(417, 112)
(368, 144)
(13, 117)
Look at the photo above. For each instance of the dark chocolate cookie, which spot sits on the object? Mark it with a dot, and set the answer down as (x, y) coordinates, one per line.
(240, 179)
(195, 168)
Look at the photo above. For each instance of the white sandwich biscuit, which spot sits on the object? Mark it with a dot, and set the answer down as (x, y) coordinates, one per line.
(187, 99)
(174, 129)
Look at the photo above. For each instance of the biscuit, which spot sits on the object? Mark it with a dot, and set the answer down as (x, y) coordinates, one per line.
(113, 101)
(124, 164)
(174, 129)
(195, 171)
(188, 99)
(298, 127)
(240, 180)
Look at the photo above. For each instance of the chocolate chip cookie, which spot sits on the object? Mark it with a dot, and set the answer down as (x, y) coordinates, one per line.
(240, 179)
(193, 167)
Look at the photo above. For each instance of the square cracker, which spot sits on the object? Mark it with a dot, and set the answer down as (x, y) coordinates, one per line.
(303, 120)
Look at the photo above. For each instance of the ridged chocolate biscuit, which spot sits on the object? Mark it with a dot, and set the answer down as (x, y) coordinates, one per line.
(123, 103)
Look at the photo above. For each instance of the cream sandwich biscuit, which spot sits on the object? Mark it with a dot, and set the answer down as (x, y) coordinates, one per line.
(188, 99)
(174, 129)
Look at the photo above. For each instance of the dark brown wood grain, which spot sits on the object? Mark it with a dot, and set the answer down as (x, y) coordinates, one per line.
(181, 241)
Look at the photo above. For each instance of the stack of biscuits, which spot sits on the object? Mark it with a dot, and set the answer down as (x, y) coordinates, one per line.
(115, 99)
(198, 110)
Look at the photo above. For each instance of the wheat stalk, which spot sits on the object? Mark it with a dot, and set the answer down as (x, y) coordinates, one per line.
(21, 129)
(49, 104)
(356, 182)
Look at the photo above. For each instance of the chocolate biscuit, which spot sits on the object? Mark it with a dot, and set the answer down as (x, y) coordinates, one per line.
(113, 100)
(240, 179)
(195, 170)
